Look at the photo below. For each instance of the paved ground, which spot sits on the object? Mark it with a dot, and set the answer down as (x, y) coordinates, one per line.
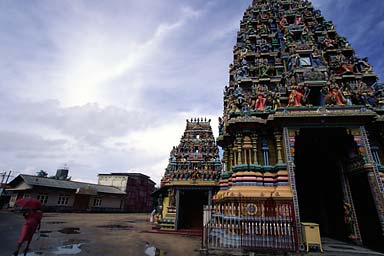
(10, 225)
(119, 234)
(95, 234)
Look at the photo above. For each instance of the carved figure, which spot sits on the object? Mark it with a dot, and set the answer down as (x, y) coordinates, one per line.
(295, 96)
(260, 102)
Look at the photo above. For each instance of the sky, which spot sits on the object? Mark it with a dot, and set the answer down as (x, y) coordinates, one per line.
(106, 86)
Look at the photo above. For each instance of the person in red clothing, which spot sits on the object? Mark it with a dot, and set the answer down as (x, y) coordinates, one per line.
(32, 223)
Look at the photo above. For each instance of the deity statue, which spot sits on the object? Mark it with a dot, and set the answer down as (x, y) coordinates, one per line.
(221, 125)
(298, 20)
(275, 97)
(363, 66)
(295, 96)
(283, 22)
(334, 97)
(260, 102)
(317, 58)
(329, 43)
(348, 219)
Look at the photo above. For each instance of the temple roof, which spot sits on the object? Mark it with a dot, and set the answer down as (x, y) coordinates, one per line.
(196, 158)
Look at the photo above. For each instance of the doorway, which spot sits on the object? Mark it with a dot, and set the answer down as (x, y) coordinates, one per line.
(321, 154)
(81, 202)
(190, 210)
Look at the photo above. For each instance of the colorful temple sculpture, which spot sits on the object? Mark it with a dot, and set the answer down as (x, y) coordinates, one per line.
(190, 178)
(301, 133)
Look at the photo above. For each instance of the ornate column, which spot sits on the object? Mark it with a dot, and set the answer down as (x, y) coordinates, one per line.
(177, 208)
(239, 147)
(226, 164)
(209, 197)
(230, 163)
(254, 148)
(278, 137)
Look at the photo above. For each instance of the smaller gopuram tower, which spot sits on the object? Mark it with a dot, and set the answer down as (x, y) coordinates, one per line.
(190, 178)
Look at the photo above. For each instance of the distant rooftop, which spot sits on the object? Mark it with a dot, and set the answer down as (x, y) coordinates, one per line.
(63, 184)
(128, 174)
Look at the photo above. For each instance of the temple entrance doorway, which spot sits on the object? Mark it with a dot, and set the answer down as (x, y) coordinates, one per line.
(319, 154)
(321, 160)
(190, 215)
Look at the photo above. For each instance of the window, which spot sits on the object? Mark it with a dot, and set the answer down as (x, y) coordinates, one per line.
(97, 202)
(305, 61)
(42, 198)
(26, 195)
(63, 200)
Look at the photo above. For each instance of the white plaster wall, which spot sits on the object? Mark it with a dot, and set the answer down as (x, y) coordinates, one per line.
(119, 182)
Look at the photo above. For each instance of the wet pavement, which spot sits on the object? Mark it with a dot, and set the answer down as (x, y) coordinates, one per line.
(116, 227)
(121, 234)
(94, 234)
(333, 247)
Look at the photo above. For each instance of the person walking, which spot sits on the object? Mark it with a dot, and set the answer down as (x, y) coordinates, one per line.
(32, 215)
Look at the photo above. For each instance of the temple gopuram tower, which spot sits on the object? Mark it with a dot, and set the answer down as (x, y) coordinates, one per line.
(301, 133)
(190, 178)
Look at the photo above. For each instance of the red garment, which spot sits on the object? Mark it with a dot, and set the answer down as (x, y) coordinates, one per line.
(32, 220)
(260, 103)
(295, 98)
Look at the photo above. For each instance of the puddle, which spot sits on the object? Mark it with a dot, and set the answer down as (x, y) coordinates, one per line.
(153, 251)
(44, 233)
(70, 231)
(68, 249)
(55, 222)
(116, 227)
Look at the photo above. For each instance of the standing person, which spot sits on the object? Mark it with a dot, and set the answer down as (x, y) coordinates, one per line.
(31, 224)
(32, 216)
(152, 218)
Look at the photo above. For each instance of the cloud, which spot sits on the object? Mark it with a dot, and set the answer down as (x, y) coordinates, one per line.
(107, 85)
(88, 123)
(24, 142)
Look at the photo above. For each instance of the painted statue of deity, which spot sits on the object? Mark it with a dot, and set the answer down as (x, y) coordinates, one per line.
(295, 96)
(260, 102)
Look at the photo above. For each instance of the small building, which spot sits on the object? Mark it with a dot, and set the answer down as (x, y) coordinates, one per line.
(137, 186)
(66, 195)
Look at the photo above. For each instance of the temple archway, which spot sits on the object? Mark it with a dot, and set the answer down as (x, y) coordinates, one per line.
(327, 187)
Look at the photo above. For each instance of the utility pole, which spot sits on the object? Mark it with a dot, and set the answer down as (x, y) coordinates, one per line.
(9, 174)
(2, 177)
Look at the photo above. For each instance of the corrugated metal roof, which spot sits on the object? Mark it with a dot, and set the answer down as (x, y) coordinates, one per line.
(65, 184)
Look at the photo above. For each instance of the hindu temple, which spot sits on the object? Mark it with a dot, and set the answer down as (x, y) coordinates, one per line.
(190, 178)
(301, 133)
